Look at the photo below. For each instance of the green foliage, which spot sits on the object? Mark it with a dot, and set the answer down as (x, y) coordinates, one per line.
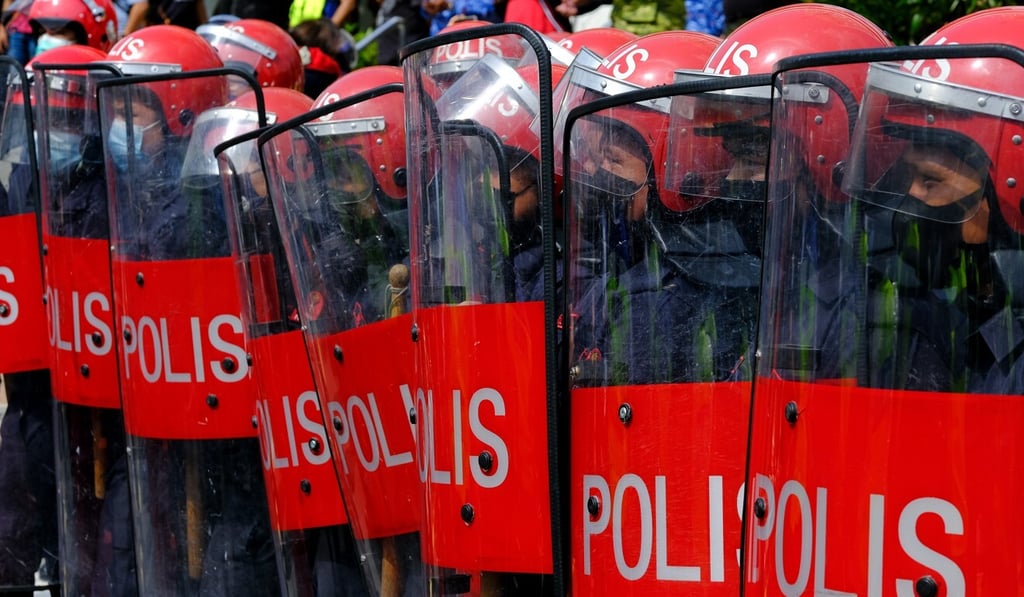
(910, 21)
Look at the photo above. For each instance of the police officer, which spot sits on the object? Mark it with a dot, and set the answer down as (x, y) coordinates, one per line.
(195, 454)
(943, 221)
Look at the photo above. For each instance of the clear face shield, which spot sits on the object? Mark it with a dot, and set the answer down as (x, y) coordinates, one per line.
(718, 148)
(580, 84)
(905, 161)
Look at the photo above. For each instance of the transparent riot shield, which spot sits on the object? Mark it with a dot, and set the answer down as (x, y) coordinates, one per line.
(347, 250)
(200, 522)
(665, 200)
(483, 296)
(96, 548)
(28, 516)
(315, 550)
(886, 399)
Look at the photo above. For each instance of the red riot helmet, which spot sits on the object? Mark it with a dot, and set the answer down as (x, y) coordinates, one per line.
(601, 40)
(972, 107)
(93, 21)
(373, 130)
(66, 89)
(449, 61)
(642, 63)
(831, 104)
(165, 49)
(259, 46)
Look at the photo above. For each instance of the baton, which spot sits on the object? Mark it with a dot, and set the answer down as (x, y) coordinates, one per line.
(99, 457)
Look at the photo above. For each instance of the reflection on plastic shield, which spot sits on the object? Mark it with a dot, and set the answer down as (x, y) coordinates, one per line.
(302, 490)
(83, 357)
(483, 437)
(868, 492)
(365, 376)
(22, 317)
(657, 476)
(184, 369)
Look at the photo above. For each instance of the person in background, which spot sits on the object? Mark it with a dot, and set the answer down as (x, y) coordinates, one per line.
(275, 11)
(442, 13)
(131, 15)
(328, 53)
(16, 35)
(641, 17)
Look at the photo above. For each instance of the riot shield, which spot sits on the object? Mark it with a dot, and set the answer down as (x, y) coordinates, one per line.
(887, 391)
(22, 317)
(664, 258)
(346, 245)
(483, 280)
(314, 546)
(97, 554)
(28, 517)
(201, 521)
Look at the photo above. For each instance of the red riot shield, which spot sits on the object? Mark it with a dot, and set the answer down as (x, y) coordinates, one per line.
(28, 517)
(886, 401)
(346, 243)
(95, 510)
(481, 193)
(22, 316)
(307, 514)
(184, 376)
(664, 261)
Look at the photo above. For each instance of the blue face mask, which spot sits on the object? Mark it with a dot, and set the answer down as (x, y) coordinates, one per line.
(117, 143)
(49, 42)
(64, 149)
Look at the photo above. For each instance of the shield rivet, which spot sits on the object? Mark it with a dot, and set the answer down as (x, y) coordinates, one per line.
(315, 446)
(412, 416)
(760, 508)
(4, 310)
(926, 587)
(593, 506)
(127, 335)
(1011, 182)
(305, 486)
(466, 512)
(46, 300)
(97, 338)
(85, 370)
(338, 354)
(255, 422)
(415, 333)
(486, 461)
(212, 401)
(140, 279)
(337, 423)
(248, 359)
(625, 413)
(792, 413)
(818, 119)
(229, 365)
(46, 250)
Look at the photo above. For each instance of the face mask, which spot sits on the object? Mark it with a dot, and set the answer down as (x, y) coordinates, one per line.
(49, 42)
(929, 247)
(117, 143)
(64, 149)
